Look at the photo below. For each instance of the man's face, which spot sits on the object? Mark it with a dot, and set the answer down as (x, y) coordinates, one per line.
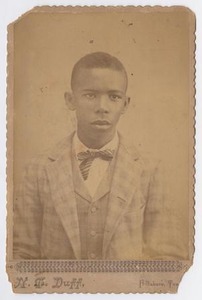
(99, 100)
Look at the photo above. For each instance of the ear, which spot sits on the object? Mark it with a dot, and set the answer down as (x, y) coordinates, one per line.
(69, 100)
(126, 104)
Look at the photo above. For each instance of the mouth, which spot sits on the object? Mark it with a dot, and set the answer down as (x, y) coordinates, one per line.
(100, 122)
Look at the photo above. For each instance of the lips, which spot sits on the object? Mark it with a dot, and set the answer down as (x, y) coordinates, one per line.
(100, 122)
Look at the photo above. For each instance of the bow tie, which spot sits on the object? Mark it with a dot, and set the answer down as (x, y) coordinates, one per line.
(86, 158)
(104, 154)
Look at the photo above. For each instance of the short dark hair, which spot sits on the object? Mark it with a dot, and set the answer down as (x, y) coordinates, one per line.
(97, 60)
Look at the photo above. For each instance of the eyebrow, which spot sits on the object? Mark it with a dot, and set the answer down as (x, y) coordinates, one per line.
(89, 90)
(116, 91)
(110, 91)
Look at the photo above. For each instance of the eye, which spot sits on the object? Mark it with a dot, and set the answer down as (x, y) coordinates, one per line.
(90, 96)
(115, 97)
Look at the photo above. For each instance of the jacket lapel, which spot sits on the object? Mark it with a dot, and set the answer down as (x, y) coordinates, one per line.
(124, 183)
(59, 173)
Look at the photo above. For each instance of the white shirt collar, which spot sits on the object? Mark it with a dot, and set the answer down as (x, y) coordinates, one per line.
(79, 146)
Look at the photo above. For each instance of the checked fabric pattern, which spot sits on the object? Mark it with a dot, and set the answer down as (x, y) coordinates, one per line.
(86, 158)
(141, 221)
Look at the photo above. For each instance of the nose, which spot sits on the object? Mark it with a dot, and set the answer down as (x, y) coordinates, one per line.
(103, 104)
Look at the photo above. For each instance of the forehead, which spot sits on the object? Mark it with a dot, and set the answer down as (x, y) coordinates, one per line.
(100, 79)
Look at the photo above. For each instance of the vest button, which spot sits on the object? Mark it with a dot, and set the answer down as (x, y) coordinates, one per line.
(92, 255)
(93, 233)
(93, 209)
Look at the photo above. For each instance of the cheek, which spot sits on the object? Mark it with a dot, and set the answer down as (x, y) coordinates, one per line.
(117, 111)
(82, 114)
(84, 108)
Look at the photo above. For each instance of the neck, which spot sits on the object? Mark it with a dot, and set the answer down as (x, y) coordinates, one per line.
(96, 141)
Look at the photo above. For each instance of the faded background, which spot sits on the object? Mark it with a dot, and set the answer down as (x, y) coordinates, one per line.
(154, 47)
(190, 286)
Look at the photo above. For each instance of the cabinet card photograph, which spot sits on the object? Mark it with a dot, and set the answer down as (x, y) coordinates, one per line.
(100, 149)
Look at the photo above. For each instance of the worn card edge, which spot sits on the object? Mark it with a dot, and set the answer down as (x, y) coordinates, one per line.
(10, 113)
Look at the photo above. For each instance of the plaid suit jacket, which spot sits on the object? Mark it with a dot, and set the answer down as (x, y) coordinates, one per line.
(140, 223)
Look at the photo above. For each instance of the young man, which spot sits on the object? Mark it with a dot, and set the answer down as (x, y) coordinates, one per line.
(93, 196)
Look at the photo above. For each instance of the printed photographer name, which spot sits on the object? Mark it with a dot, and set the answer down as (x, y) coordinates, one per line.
(151, 283)
(58, 282)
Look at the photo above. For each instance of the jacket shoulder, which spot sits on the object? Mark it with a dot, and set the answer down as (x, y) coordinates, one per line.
(144, 160)
(52, 153)
(149, 163)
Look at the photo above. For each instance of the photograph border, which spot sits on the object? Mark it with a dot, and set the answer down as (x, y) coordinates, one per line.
(101, 266)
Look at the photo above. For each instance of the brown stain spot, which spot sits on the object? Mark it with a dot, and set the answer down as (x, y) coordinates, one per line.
(42, 89)
(129, 24)
(91, 41)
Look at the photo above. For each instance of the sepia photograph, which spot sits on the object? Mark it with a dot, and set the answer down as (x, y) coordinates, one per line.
(101, 135)
(93, 196)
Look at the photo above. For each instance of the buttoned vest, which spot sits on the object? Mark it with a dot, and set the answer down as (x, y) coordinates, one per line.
(92, 211)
